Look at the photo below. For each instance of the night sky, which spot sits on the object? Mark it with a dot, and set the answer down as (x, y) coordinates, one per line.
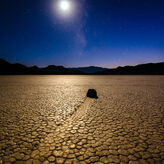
(104, 33)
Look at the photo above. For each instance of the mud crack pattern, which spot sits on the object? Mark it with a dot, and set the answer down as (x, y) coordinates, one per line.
(48, 119)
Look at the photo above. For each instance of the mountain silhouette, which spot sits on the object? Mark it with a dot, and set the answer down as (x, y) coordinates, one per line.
(7, 68)
(141, 69)
(90, 69)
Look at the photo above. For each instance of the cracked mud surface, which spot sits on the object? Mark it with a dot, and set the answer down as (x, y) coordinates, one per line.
(48, 119)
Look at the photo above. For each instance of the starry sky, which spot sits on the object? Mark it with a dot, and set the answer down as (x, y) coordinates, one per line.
(105, 33)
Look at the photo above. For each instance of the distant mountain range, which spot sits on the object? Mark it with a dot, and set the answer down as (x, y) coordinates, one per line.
(7, 68)
(90, 69)
(141, 69)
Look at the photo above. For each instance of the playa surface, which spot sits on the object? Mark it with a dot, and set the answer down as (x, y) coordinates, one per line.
(48, 119)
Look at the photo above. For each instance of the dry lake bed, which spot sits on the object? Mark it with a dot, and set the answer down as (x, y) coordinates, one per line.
(48, 119)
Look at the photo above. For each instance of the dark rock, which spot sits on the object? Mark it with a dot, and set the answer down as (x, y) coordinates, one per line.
(92, 93)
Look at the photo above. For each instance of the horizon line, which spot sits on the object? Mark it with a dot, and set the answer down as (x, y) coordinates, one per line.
(112, 67)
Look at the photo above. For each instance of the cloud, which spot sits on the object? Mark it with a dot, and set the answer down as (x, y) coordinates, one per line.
(80, 36)
(81, 39)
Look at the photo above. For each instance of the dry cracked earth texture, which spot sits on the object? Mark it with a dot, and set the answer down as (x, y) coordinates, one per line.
(48, 119)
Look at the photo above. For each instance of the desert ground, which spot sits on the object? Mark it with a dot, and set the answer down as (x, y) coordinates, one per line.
(49, 119)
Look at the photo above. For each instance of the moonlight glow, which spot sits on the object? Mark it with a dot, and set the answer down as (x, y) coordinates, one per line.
(65, 6)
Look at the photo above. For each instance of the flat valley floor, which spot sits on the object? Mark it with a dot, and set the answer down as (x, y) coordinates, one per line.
(48, 119)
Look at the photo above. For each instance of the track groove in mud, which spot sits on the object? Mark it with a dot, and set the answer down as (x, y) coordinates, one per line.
(79, 111)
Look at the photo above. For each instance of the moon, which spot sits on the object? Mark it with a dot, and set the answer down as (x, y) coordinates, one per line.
(64, 9)
(65, 6)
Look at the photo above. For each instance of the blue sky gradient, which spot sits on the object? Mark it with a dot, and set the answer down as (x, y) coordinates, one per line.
(104, 33)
